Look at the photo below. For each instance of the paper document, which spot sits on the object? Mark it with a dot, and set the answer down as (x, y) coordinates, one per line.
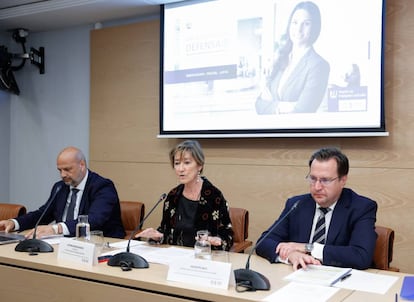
(319, 274)
(163, 255)
(52, 239)
(124, 243)
(295, 291)
(151, 253)
(368, 282)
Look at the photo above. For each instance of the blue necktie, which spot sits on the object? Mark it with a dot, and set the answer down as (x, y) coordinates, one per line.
(319, 235)
(72, 204)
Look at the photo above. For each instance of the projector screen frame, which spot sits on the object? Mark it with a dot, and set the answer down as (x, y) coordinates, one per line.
(374, 131)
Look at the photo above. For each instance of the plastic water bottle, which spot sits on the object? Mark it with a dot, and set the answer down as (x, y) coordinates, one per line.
(83, 229)
(202, 247)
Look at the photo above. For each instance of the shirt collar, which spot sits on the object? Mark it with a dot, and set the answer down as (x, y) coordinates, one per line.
(332, 207)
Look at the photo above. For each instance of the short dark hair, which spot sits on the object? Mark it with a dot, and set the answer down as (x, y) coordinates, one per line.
(327, 153)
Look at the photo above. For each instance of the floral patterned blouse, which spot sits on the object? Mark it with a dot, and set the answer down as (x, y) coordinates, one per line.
(212, 214)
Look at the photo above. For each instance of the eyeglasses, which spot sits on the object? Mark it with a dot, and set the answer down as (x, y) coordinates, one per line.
(323, 181)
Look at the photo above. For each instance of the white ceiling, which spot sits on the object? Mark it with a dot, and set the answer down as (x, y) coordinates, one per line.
(45, 15)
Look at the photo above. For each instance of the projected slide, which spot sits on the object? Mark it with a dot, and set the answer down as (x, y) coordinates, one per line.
(232, 66)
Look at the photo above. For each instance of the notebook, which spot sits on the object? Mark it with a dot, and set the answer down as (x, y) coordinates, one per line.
(407, 288)
(6, 238)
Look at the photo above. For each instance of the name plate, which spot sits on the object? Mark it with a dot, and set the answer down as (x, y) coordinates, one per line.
(77, 251)
(200, 272)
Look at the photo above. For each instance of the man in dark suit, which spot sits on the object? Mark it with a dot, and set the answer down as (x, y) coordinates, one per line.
(345, 236)
(95, 196)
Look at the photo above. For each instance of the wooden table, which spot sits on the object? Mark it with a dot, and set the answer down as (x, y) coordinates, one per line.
(44, 277)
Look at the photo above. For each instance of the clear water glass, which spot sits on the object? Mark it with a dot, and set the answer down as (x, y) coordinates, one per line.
(97, 238)
(83, 229)
(202, 247)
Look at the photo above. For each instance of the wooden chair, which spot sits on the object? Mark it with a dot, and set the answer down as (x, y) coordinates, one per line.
(384, 249)
(240, 222)
(11, 210)
(132, 213)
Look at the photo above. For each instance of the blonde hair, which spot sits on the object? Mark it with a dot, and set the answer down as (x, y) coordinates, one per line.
(191, 146)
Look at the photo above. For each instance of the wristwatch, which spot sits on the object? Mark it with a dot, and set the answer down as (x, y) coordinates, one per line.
(308, 248)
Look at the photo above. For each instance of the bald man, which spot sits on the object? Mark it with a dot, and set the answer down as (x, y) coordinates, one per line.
(93, 195)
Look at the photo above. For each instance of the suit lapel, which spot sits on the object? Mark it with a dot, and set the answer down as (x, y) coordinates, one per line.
(339, 217)
(306, 211)
(84, 198)
(297, 75)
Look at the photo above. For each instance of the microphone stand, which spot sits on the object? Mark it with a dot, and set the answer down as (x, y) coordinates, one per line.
(254, 280)
(127, 260)
(33, 245)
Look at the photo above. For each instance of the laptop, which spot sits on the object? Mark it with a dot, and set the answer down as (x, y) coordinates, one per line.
(6, 238)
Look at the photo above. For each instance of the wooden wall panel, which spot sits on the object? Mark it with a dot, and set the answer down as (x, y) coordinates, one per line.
(258, 174)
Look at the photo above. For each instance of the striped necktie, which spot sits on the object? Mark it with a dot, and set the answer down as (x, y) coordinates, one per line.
(319, 235)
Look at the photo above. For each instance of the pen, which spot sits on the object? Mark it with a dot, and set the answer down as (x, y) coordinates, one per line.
(396, 297)
(345, 277)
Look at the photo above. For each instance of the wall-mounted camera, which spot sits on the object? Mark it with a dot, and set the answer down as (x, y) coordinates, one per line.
(8, 61)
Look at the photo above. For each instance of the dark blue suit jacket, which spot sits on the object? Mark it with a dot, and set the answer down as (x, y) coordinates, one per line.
(351, 236)
(99, 201)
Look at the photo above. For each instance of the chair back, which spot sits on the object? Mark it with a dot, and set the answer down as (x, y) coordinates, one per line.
(132, 213)
(240, 222)
(11, 210)
(384, 248)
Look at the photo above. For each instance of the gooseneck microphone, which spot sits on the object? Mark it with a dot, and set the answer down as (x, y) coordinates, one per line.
(33, 245)
(127, 260)
(250, 279)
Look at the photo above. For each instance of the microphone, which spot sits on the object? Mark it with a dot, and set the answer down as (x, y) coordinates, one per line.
(249, 278)
(33, 245)
(127, 260)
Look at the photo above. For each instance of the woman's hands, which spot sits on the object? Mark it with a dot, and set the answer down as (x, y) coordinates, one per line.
(157, 236)
(216, 241)
(150, 233)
